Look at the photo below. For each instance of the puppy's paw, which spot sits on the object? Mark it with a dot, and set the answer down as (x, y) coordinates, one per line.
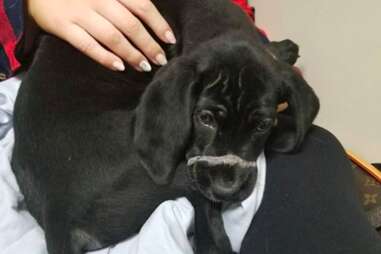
(286, 51)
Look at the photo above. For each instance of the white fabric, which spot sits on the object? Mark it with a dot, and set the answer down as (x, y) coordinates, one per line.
(19, 232)
(164, 232)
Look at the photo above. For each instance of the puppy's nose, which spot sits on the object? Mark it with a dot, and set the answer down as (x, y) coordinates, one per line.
(225, 185)
(226, 181)
(225, 176)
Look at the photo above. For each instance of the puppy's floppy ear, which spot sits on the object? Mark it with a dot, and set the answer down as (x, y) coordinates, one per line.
(294, 122)
(164, 119)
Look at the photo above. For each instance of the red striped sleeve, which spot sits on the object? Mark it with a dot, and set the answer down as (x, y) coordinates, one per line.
(8, 38)
(245, 7)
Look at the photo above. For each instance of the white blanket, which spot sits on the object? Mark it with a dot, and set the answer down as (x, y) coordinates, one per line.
(164, 232)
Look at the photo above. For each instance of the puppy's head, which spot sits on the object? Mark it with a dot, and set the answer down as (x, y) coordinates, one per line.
(216, 109)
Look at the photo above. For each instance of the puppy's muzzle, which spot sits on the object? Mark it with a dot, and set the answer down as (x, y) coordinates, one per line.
(224, 177)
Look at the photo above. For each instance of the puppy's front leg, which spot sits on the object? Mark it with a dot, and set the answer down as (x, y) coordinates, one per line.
(210, 234)
(286, 51)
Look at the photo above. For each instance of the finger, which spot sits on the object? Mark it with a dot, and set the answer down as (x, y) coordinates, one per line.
(147, 12)
(127, 23)
(106, 33)
(81, 40)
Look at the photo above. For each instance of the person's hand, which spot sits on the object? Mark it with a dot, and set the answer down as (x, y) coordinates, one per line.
(107, 30)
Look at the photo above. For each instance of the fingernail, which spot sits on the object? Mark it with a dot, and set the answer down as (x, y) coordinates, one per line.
(145, 66)
(170, 37)
(119, 66)
(161, 59)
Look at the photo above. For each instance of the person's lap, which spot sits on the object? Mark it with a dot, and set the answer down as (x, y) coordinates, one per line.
(311, 204)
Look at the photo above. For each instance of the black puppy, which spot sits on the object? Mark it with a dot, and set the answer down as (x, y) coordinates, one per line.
(97, 151)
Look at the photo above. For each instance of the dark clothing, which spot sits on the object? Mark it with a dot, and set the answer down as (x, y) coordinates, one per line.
(311, 204)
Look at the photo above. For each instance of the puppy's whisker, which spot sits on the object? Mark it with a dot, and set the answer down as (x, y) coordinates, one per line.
(229, 159)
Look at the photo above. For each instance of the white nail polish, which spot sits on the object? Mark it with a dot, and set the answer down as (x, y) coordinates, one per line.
(119, 66)
(170, 37)
(145, 66)
(161, 59)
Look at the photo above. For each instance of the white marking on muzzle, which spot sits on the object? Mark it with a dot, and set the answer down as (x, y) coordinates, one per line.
(229, 159)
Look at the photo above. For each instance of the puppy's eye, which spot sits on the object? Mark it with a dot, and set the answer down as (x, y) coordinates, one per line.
(264, 125)
(206, 117)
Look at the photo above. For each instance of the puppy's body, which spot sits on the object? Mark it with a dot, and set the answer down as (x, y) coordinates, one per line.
(82, 159)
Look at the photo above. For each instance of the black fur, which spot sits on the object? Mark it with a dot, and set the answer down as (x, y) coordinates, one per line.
(97, 151)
